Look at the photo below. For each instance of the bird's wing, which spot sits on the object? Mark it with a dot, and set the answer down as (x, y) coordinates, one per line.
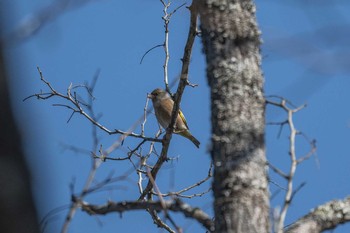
(183, 118)
(168, 108)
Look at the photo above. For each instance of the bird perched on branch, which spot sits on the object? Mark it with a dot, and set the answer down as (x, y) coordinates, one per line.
(163, 107)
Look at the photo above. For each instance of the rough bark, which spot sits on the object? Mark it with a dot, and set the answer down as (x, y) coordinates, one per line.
(324, 217)
(175, 205)
(231, 41)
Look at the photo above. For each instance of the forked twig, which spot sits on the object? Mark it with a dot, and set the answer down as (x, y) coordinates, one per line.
(290, 192)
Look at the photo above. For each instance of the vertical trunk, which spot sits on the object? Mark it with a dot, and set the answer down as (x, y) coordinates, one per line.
(17, 210)
(231, 43)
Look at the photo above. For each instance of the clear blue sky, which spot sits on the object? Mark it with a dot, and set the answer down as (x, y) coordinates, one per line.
(305, 58)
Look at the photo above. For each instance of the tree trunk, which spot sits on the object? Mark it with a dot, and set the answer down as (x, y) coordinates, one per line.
(17, 211)
(16, 206)
(231, 41)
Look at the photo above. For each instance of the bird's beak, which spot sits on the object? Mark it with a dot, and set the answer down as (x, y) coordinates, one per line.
(150, 96)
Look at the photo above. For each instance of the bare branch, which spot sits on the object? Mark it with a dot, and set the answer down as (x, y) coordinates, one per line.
(32, 24)
(94, 163)
(154, 47)
(158, 221)
(324, 217)
(76, 104)
(178, 95)
(175, 205)
(146, 111)
(166, 19)
(50, 215)
(297, 190)
(88, 188)
(283, 103)
(281, 124)
(153, 213)
(310, 153)
(79, 109)
(278, 171)
(179, 193)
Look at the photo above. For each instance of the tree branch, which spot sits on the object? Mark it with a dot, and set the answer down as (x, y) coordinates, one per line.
(77, 108)
(294, 161)
(175, 205)
(32, 24)
(183, 82)
(324, 217)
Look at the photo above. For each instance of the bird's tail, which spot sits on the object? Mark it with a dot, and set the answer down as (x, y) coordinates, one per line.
(188, 135)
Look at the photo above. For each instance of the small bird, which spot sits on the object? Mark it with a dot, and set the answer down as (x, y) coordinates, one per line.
(163, 107)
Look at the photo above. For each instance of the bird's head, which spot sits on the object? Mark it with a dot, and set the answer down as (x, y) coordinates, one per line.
(158, 94)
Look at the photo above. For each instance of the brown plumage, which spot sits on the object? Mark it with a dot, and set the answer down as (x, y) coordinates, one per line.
(163, 107)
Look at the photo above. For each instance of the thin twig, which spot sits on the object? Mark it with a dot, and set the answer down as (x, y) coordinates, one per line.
(157, 46)
(32, 24)
(278, 171)
(77, 108)
(162, 202)
(94, 163)
(179, 193)
(180, 90)
(283, 103)
(145, 114)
